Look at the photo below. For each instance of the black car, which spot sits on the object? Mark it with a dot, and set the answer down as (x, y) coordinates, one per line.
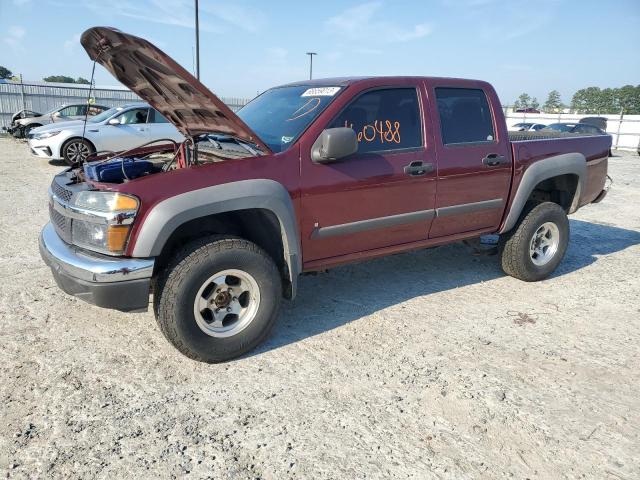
(574, 128)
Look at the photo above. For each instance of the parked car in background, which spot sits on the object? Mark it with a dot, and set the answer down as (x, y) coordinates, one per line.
(22, 126)
(575, 128)
(527, 110)
(114, 130)
(527, 127)
(600, 122)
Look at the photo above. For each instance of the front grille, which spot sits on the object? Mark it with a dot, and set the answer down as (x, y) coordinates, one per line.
(61, 192)
(61, 224)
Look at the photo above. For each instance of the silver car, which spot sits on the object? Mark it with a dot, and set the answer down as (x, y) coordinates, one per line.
(76, 111)
(115, 130)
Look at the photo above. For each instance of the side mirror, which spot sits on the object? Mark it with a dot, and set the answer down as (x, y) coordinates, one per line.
(114, 121)
(56, 114)
(334, 144)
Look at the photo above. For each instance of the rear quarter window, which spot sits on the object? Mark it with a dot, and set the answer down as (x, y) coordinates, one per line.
(465, 116)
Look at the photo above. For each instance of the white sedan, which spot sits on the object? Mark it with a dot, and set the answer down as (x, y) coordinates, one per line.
(117, 129)
(527, 127)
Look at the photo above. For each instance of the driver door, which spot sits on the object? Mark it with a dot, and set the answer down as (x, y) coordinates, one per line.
(374, 198)
(131, 132)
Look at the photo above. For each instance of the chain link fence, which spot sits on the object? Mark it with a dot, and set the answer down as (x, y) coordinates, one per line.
(44, 96)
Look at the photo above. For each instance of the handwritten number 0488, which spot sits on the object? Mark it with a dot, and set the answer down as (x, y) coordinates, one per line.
(386, 131)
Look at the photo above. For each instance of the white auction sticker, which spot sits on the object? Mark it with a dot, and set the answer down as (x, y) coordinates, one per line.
(321, 92)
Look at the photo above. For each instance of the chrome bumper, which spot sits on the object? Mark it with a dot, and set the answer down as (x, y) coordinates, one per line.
(117, 283)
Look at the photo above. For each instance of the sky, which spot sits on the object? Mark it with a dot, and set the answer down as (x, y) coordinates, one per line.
(247, 46)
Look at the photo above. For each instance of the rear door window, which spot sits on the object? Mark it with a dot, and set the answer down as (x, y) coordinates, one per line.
(385, 119)
(465, 116)
(73, 111)
(156, 117)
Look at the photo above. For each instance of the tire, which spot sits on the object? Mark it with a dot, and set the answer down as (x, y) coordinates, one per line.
(537, 244)
(190, 282)
(76, 150)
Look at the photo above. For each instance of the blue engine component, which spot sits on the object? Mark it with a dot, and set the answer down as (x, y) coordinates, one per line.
(117, 170)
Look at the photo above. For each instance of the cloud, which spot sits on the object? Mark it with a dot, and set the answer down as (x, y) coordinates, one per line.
(217, 18)
(361, 23)
(14, 35)
(70, 44)
(515, 67)
(277, 53)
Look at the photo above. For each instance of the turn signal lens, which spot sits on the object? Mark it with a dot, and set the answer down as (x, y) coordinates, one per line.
(117, 238)
(123, 202)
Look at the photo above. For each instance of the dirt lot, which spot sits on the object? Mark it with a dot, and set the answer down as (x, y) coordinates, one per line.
(432, 364)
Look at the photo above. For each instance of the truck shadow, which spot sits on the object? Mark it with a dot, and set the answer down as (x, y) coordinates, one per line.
(330, 300)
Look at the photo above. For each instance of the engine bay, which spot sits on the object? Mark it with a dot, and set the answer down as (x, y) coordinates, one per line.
(141, 162)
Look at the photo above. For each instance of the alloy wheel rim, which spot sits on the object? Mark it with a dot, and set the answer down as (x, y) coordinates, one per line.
(226, 303)
(77, 151)
(544, 243)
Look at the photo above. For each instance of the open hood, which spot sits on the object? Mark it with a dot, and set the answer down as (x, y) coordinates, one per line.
(164, 84)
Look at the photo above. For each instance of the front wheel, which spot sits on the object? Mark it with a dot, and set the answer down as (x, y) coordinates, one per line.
(219, 299)
(536, 246)
(76, 151)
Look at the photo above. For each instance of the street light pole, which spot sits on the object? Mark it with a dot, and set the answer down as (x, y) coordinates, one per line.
(311, 54)
(197, 43)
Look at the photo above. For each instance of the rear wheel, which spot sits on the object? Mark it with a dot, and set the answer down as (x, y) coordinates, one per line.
(536, 246)
(76, 151)
(219, 299)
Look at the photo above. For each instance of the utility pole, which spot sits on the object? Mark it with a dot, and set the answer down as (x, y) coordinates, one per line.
(197, 43)
(311, 54)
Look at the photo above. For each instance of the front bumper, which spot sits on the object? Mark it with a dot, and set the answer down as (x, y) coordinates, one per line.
(117, 283)
(42, 150)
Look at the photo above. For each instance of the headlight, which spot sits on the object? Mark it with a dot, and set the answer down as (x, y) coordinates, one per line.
(108, 221)
(109, 239)
(106, 201)
(42, 136)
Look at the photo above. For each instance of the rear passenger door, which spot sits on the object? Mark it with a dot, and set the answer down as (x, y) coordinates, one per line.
(474, 162)
(160, 128)
(374, 198)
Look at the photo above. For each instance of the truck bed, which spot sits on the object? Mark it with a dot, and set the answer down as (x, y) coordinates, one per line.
(529, 147)
(539, 135)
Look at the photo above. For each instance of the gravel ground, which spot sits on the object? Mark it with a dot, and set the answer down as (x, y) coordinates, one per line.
(431, 364)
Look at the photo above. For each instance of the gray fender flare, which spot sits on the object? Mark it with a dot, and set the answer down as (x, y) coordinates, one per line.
(168, 215)
(567, 163)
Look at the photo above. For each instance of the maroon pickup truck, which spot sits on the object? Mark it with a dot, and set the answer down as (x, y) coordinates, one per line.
(307, 176)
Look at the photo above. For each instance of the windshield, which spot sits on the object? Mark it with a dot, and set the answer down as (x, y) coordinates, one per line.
(104, 115)
(280, 115)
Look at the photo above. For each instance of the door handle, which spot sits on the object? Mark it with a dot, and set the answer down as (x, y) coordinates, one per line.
(493, 160)
(418, 168)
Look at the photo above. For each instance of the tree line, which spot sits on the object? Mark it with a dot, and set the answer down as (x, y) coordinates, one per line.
(6, 74)
(593, 100)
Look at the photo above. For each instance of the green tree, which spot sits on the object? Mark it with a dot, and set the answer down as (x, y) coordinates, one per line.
(523, 101)
(84, 81)
(553, 102)
(629, 99)
(586, 100)
(534, 103)
(59, 79)
(5, 73)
